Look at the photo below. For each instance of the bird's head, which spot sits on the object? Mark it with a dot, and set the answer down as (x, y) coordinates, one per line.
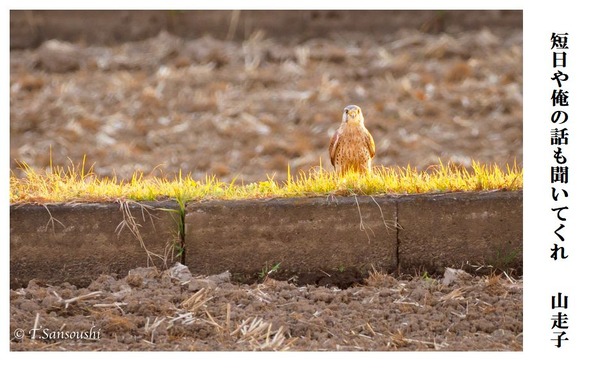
(353, 114)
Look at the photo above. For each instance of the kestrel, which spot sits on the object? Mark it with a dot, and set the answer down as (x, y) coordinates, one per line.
(352, 147)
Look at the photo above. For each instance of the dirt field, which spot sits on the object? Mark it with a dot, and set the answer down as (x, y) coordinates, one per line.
(247, 109)
(150, 310)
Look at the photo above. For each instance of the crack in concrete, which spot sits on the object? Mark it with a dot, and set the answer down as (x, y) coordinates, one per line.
(182, 213)
(397, 249)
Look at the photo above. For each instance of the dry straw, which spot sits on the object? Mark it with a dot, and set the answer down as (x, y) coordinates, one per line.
(76, 183)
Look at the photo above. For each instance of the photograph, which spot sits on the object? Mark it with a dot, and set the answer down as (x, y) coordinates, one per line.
(266, 180)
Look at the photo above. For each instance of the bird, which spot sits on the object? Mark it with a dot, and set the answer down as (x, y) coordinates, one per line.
(352, 147)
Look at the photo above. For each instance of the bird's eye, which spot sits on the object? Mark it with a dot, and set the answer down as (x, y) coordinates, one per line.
(346, 111)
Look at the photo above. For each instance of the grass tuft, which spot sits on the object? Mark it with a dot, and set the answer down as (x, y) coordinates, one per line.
(76, 183)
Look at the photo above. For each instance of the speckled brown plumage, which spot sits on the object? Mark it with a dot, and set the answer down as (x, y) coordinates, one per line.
(352, 147)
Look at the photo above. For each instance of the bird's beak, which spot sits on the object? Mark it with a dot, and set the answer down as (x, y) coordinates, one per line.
(352, 114)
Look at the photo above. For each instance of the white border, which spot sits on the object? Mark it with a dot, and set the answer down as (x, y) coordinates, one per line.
(540, 363)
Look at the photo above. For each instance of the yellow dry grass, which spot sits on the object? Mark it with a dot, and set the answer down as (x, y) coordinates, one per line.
(76, 183)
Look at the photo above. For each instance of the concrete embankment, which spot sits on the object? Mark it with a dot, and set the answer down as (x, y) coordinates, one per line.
(310, 240)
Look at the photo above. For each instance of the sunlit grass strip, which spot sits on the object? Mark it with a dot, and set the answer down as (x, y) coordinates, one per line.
(76, 184)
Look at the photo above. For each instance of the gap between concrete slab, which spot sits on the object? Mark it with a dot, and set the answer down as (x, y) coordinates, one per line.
(398, 227)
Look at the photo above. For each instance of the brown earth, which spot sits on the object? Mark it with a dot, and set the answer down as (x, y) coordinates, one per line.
(171, 310)
(247, 108)
(30, 28)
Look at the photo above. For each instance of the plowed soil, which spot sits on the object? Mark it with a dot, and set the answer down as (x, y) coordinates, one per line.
(247, 109)
(171, 310)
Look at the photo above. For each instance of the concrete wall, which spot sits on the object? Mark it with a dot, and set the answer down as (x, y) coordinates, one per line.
(314, 240)
(78, 242)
